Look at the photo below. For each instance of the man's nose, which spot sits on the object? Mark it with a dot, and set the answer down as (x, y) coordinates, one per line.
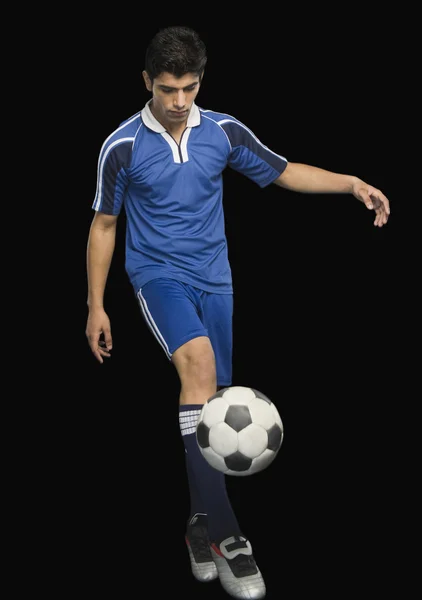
(180, 100)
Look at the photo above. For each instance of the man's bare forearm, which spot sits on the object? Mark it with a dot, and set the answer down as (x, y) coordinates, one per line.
(308, 179)
(100, 250)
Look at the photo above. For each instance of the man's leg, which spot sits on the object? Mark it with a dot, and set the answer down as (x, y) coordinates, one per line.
(175, 314)
(237, 570)
(195, 364)
(172, 311)
(230, 550)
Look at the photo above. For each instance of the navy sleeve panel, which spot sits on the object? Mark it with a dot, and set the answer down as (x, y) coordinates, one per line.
(250, 157)
(112, 178)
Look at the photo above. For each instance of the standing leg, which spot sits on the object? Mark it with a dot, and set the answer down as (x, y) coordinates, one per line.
(237, 570)
(195, 364)
(176, 316)
(225, 546)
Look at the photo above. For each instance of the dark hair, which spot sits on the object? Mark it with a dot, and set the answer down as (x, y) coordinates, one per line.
(175, 50)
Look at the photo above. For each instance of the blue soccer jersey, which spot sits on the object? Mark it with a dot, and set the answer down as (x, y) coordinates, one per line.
(172, 193)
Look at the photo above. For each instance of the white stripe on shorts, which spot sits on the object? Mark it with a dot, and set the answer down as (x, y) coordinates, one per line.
(152, 325)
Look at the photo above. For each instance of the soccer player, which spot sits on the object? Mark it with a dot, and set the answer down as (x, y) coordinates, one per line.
(164, 167)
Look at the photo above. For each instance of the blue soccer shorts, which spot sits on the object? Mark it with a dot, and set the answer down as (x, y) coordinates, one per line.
(177, 312)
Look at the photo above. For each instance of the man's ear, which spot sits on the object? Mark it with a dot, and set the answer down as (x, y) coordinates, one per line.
(147, 80)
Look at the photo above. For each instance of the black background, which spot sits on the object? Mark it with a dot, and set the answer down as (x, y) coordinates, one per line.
(313, 328)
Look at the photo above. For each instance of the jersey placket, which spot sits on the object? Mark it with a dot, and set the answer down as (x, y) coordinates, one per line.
(180, 151)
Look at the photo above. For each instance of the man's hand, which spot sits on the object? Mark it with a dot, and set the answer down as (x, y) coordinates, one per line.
(99, 324)
(374, 200)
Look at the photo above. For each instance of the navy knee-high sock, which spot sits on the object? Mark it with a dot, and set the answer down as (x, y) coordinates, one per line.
(207, 486)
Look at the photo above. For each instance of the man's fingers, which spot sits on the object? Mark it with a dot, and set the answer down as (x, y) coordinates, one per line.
(98, 347)
(108, 339)
(95, 350)
(98, 332)
(98, 356)
(100, 352)
(379, 200)
(104, 352)
(381, 217)
(366, 199)
(375, 200)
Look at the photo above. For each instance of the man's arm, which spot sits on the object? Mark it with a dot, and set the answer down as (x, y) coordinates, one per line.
(101, 242)
(308, 179)
(305, 178)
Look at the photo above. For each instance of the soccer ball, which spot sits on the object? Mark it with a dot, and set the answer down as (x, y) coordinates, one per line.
(239, 431)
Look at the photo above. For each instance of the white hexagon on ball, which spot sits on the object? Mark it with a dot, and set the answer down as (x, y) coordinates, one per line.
(223, 439)
(262, 413)
(262, 462)
(214, 411)
(252, 440)
(239, 395)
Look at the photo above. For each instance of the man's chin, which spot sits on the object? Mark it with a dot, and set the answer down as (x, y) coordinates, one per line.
(175, 115)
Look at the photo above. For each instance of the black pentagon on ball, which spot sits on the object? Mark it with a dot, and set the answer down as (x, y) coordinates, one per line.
(274, 437)
(238, 462)
(261, 396)
(203, 435)
(238, 417)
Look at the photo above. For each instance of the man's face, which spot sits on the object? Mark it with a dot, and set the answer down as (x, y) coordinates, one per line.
(172, 97)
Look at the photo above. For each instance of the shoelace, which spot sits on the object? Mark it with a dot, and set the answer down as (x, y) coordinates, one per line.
(245, 564)
(200, 544)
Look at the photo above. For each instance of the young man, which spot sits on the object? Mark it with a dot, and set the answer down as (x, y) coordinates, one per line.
(164, 165)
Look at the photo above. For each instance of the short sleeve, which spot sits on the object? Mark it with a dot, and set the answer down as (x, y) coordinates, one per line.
(112, 179)
(249, 156)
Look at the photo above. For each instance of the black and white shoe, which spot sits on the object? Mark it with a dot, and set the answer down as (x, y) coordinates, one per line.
(197, 541)
(237, 569)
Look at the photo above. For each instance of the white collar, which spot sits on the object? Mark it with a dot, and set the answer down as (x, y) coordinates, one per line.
(194, 118)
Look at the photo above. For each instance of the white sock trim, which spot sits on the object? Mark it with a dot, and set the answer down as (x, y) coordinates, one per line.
(188, 420)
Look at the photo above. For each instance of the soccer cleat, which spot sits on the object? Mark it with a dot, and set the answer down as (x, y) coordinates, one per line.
(202, 564)
(237, 569)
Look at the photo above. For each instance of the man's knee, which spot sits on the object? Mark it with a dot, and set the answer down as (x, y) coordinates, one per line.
(195, 361)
